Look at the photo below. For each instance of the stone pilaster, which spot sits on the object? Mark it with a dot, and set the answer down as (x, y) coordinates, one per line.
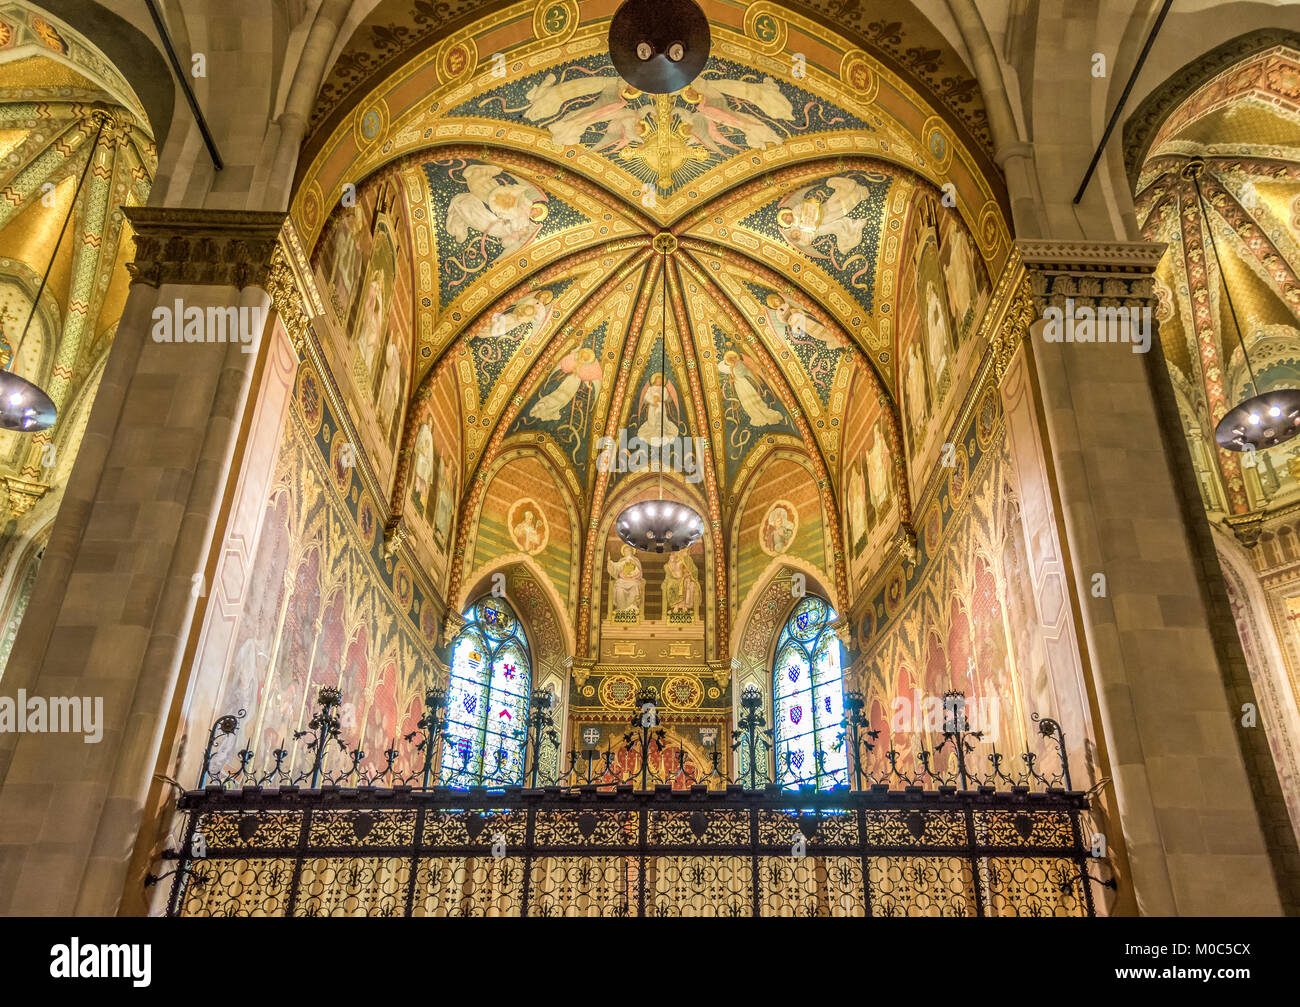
(1191, 824)
(114, 603)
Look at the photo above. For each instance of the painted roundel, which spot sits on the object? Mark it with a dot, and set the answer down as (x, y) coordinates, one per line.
(555, 22)
(618, 692)
(933, 530)
(402, 584)
(958, 475)
(428, 622)
(309, 399)
(894, 592)
(342, 460)
(682, 693)
(937, 143)
(986, 418)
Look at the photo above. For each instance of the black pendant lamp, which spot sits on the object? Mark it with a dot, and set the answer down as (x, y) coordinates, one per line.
(659, 46)
(661, 525)
(25, 406)
(1261, 421)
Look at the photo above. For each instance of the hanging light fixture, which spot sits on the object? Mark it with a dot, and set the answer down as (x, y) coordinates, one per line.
(659, 46)
(1263, 420)
(25, 406)
(661, 525)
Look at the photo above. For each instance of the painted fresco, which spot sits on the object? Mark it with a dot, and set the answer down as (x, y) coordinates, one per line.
(480, 213)
(324, 608)
(519, 323)
(524, 511)
(781, 521)
(727, 110)
(963, 615)
(433, 473)
(563, 404)
(936, 353)
(364, 271)
(750, 409)
(836, 223)
(870, 488)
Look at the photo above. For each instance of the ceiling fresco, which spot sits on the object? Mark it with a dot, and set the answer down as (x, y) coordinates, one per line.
(722, 266)
(1249, 241)
(892, 31)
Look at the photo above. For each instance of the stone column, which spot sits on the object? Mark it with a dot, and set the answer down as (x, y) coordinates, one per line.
(114, 601)
(1189, 815)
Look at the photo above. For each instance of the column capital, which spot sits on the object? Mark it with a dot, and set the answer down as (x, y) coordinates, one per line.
(1091, 271)
(225, 248)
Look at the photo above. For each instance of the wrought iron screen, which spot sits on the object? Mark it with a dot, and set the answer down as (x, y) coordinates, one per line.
(945, 837)
(621, 852)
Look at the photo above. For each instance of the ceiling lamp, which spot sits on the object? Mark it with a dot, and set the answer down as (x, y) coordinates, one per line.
(1261, 421)
(659, 46)
(24, 406)
(660, 525)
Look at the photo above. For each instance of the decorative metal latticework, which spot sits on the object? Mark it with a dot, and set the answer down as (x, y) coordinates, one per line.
(958, 835)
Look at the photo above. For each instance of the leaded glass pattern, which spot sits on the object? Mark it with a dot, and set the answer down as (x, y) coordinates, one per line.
(487, 699)
(808, 699)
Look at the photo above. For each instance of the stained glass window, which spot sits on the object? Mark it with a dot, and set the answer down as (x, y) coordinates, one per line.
(487, 699)
(808, 699)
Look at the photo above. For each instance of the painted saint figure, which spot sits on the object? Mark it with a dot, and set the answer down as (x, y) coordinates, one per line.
(681, 584)
(778, 530)
(422, 470)
(527, 533)
(628, 591)
(656, 428)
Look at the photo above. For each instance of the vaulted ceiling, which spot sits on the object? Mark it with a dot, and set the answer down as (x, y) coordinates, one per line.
(571, 238)
(1237, 137)
(65, 113)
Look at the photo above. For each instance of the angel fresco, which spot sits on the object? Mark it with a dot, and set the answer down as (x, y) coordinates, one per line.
(533, 311)
(745, 391)
(581, 103)
(497, 205)
(579, 367)
(809, 215)
(711, 110)
(796, 325)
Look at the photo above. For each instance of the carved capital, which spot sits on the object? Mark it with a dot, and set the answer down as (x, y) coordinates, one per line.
(396, 535)
(1092, 272)
(287, 299)
(582, 669)
(721, 671)
(21, 495)
(1246, 527)
(452, 624)
(225, 248)
(1014, 330)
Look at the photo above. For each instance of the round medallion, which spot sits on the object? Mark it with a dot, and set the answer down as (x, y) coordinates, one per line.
(682, 693)
(618, 692)
(857, 75)
(766, 25)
